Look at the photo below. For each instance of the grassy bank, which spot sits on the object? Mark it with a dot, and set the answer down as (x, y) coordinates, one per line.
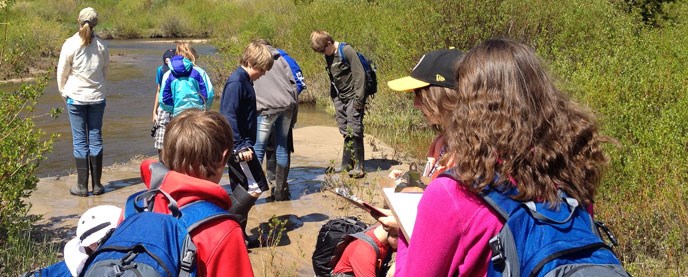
(628, 69)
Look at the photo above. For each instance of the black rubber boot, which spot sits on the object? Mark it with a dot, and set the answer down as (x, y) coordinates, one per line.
(242, 202)
(359, 159)
(270, 159)
(270, 164)
(281, 191)
(81, 187)
(96, 163)
(347, 162)
(271, 198)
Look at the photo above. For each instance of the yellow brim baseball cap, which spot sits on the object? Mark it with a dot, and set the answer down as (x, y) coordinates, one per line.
(407, 83)
(434, 68)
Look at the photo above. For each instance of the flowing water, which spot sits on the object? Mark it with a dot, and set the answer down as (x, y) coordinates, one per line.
(128, 114)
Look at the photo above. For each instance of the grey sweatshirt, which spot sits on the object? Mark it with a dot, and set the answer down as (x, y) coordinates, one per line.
(276, 91)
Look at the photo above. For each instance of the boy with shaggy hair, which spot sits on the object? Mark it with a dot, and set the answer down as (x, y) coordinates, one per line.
(238, 105)
(196, 148)
(347, 90)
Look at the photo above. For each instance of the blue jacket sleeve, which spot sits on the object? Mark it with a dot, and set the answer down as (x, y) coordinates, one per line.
(206, 88)
(229, 107)
(210, 90)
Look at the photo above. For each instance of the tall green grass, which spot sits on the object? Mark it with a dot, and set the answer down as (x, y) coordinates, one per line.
(605, 55)
(28, 252)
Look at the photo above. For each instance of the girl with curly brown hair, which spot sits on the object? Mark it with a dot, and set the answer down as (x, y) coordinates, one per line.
(508, 124)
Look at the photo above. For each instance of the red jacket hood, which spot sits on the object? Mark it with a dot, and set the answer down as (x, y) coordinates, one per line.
(186, 189)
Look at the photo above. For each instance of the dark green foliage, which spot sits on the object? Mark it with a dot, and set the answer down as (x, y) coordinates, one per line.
(21, 150)
(651, 11)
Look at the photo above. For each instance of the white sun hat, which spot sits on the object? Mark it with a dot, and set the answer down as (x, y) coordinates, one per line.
(93, 225)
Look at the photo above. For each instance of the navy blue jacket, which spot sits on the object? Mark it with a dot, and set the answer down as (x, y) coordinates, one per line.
(238, 105)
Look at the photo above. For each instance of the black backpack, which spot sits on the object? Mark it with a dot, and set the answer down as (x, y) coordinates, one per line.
(333, 238)
(368, 68)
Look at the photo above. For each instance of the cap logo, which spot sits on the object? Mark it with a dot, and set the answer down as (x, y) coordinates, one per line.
(439, 78)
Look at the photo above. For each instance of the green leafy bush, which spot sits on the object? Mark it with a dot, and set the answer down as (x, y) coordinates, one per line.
(21, 150)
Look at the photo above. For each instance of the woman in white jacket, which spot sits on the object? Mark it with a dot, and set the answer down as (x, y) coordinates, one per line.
(81, 74)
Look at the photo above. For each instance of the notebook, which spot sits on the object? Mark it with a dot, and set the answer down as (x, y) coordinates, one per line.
(404, 206)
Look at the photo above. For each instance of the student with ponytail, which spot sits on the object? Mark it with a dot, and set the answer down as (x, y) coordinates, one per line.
(81, 71)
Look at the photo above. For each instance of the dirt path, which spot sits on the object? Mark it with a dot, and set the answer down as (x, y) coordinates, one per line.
(316, 148)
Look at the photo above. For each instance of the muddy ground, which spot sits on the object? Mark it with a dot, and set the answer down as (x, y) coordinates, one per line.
(316, 147)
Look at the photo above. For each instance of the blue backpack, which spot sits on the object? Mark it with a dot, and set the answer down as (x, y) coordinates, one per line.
(295, 70)
(539, 241)
(59, 269)
(368, 67)
(147, 243)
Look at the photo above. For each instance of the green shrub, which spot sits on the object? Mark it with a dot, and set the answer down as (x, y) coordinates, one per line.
(21, 150)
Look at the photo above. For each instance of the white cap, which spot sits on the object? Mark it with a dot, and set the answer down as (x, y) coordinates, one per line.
(88, 14)
(93, 225)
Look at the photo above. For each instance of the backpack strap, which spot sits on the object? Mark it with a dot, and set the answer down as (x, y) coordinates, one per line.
(365, 237)
(199, 212)
(572, 204)
(130, 207)
(158, 173)
(138, 202)
(193, 215)
(340, 50)
(281, 52)
(501, 202)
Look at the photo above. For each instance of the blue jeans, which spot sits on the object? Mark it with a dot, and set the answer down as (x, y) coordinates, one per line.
(280, 124)
(87, 124)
